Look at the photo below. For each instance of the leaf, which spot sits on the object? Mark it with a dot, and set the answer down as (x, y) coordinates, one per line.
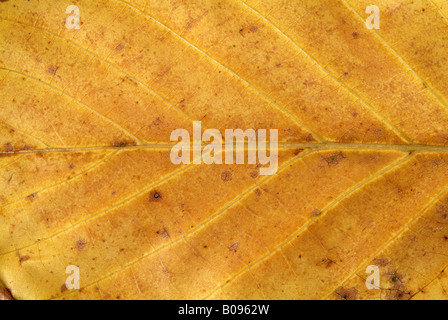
(85, 122)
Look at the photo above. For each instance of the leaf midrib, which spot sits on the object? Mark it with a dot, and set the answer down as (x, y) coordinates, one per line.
(327, 146)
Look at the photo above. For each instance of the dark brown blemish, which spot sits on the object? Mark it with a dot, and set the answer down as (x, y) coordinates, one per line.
(355, 35)
(297, 151)
(52, 70)
(4, 0)
(399, 290)
(226, 176)
(334, 159)
(164, 233)
(26, 147)
(442, 210)
(63, 288)
(81, 244)
(32, 196)
(328, 262)
(254, 174)
(381, 262)
(310, 138)
(157, 122)
(258, 192)
(71, 166)
(9, 147)
(253, 29)
(316, 213)
(120, 47)
(402, 293)
(23, 259)
(234, 246)
(347, 294)
(155, 196)
(120, 144)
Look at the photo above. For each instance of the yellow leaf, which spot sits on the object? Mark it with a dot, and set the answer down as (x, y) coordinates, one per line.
(87, 179)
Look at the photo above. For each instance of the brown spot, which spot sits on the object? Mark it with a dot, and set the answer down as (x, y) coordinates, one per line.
(234, 246)
(399, 290)
(23, 259)
(442, 210)
(316, 213)
(120, 144)
(155, 196)
(327, 262)
(310, 138)
(26, 147)
(157, 121)
(402, 293)
(120, 47)
(226, 176)
(347, 294)
(63, 288)
(71, 166)
(53, 69)
(253, 29)
(258, 192)
(355, 35)
(9, 147)
(81, 244)
(334, 159)
(254, 174)
(5, 294)
(381, 262)
(164, 233)
(297, 151)
(32, 196)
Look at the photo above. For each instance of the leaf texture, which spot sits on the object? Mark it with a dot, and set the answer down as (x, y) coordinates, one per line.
(86, 176)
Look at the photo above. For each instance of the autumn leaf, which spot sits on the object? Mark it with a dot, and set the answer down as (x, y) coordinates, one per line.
(86, 114)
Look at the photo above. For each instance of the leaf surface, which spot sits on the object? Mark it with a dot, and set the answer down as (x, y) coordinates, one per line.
(86, 176)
